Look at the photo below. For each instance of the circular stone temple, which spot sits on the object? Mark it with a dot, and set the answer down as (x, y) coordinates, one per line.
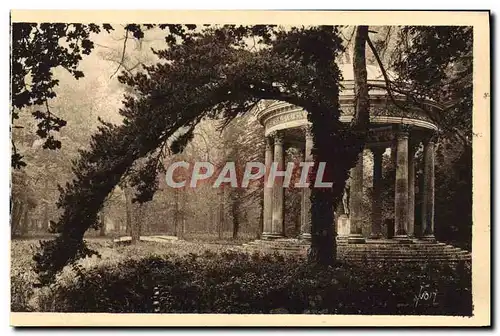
(394, 131)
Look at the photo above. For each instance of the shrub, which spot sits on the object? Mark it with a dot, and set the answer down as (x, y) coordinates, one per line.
(231, 282)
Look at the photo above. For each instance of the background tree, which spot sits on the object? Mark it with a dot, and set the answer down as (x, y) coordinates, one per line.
(37, 49)
(436, 62)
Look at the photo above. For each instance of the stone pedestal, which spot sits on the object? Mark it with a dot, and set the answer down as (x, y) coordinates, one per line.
(343, 227)
(356, 197)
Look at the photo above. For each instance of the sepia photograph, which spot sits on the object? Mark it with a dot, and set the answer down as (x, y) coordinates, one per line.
(251, 168)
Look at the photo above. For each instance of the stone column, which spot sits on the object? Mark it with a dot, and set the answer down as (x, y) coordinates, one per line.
(305, 227)
(411, 190)
(377, 190)
(401, 187)
(428, 192)
(355, 202)
(278, 190)
(268, 191)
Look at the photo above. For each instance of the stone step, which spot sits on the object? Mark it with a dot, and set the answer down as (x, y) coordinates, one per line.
(279, 248)
(399, 255)
(371, 245)
(270, 249)
(403, 255)
(389, 255)
(391, 242)
(379, 255)
(366, 250)
(361, 245)
(397, 248)
(392, 246)
(422, 261)
(266, 243)
(370, 251)
(344, 243)
(401, 250)
(379, 258)
(354, 249)
(374, 251)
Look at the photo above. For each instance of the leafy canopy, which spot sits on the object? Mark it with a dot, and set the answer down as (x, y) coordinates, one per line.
(209, 73)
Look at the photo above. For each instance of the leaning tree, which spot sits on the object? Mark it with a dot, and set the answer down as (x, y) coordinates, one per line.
(212, 72)
(209, 73)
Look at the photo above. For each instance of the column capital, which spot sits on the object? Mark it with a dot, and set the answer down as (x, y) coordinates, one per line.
(307, 131)
(269, 142)
(403, 131)
(432, 138)
(278, 137)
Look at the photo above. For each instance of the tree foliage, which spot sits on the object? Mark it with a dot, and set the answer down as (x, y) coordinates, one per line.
(436, 63)
(37, 49)
(213, 73)
(209, 74)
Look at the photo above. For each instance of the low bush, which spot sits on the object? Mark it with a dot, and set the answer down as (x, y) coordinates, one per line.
(232, 282)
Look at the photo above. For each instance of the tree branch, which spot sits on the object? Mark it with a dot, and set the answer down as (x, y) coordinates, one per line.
(390, 89)
(388, 86)
(123, 53)
(361, 117)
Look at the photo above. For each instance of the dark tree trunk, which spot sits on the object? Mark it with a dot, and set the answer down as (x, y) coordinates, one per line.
(45, 225)
(220, 219)
(178, 220)
(261, 216)
(328, 131)
(34, 224)
(136, 224)
(25, 220)
(16, 217)
(176, 211)
(102, 231)
(182, 214)
(236, 217)
(128, 213)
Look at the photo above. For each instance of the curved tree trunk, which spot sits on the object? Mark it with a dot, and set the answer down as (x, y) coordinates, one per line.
(114, 149)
